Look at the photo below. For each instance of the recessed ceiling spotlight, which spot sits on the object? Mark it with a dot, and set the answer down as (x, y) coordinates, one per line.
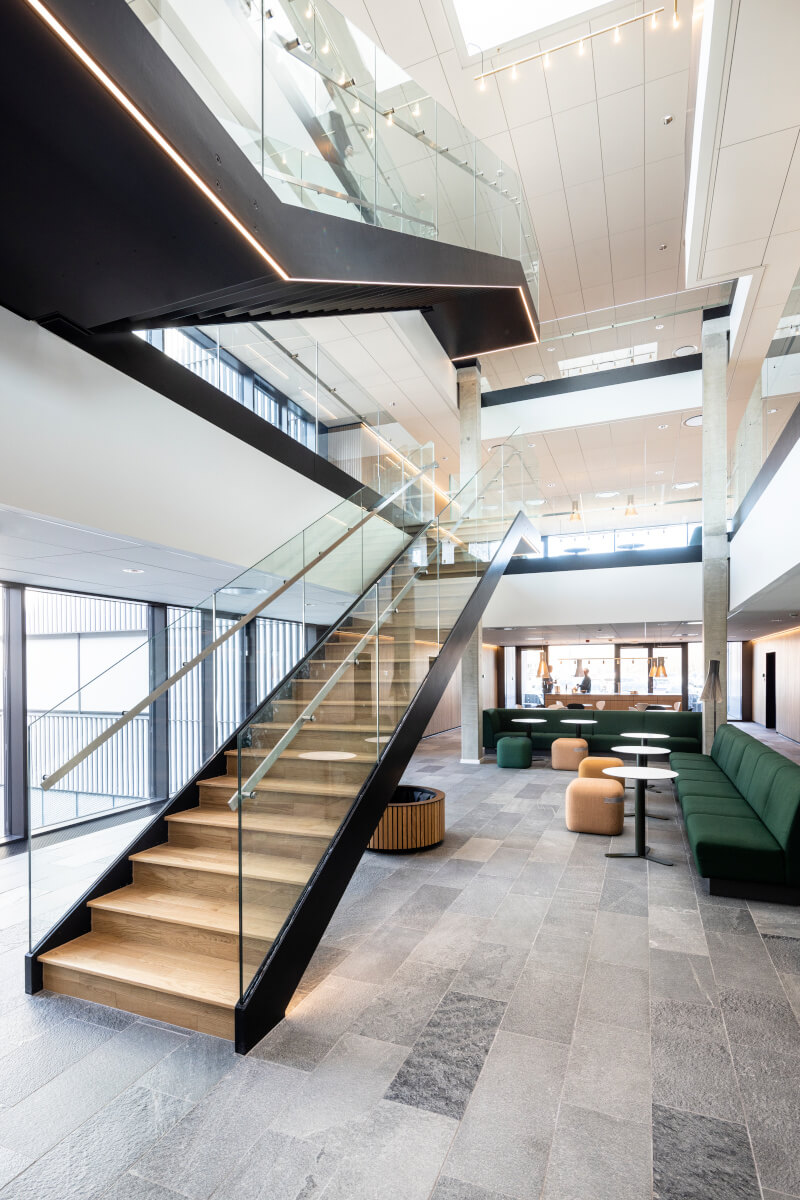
(531, 445)
(132, 571)
(682, 351)
(605, 495)
(663, 246)
(694, 422)
(659, 472)
(770, 411)
(444, 458)
(667, 119)
(551, 349)
(663, 427)
(534, 378)
(681, 487)
(659, 326)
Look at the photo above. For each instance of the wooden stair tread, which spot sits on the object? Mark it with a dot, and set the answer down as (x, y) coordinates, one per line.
(254, 822)
(258, 752)
(189, 976)
(328, 727)
(271, 868)
(182, 908)
(301, 787)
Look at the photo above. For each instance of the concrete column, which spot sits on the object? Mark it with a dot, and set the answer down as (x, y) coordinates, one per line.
(469, 406)
(715, 536)
(749, 444)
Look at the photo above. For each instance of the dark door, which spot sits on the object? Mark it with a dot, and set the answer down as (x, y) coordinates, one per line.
(769, 691)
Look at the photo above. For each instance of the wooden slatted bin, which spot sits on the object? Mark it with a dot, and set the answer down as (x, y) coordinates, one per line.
(413, 820)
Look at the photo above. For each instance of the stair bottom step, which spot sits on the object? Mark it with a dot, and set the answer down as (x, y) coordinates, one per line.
(194, 991)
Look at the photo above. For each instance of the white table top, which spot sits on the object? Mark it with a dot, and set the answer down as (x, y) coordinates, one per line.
(326, 755)
(579, 721)
(640, 773)
(528, 720)
(642, 749)
(653, 736)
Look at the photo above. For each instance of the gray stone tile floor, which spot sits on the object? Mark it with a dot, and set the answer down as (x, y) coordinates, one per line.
(506, 1017)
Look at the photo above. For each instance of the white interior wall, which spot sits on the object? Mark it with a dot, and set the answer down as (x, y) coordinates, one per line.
(609, 596)
(87, 445)
(767, 544)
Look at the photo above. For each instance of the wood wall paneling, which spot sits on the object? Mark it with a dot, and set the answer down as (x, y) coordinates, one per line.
(787, 682)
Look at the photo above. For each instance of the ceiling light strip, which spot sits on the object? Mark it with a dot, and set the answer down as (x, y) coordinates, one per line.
(578, 41)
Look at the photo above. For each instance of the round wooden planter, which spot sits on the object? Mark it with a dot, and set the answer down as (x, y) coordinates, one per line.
(413, 820)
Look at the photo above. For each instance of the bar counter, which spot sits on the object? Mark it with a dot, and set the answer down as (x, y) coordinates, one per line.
(613, 701)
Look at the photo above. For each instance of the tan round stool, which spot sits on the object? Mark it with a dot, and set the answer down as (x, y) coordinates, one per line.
(593, 767)
(595, 806)
(567, 753)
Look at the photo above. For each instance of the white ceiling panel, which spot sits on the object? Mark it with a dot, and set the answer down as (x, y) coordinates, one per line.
(570, 76)
(627, 253)
(665, 181)
(578, 136)
(537, 156)
(594, 261)
(665, 97)
(553, 228)
(405, 29)
(587, 210)
(625, 199)
(619, 65)
(747, 188)
(622, 130)
(767, 40)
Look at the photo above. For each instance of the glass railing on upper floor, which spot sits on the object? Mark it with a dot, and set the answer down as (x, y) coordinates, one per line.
(284, 375)
(215, 662)
(334, 125)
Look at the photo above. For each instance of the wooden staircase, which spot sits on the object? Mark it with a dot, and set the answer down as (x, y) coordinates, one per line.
(167, 945)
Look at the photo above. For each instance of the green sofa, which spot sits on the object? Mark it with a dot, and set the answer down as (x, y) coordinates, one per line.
(683, 727)
(741, 805)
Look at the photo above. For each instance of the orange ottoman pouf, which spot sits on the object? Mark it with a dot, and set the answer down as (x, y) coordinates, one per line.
(593, 767)
(567, 753)
(595, 806)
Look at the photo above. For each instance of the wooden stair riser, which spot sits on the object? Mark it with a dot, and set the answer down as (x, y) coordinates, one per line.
(346, 739)
(265, 892)
(391, 655)
(289, 806)
(336, 711)
(393, 677)
(300, 848)
(167, 934)
(159, 1006)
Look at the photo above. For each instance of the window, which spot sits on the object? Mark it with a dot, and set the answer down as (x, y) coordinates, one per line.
(608, 360)
(510, 676)
(734, 681)
(696, 674)
(3, 736)
(532, 688)
(490, 25)
(634, 670)
(87, 663)
(580, 543)
(673, 683)
(657, 537)
(567, 665)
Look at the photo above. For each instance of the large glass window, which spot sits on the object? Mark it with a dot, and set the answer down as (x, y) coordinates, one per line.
(734, 681)
(5, 828)
(673, 683)
(634, 670)
(532, 685)
(510, 676)
(71, 639)
(696, 675)
(580, 543)
(656, 537)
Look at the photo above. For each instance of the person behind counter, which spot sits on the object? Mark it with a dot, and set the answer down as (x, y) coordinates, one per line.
(586, 682)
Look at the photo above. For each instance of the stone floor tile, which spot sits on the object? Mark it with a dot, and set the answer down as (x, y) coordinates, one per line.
(544, 1006)
(402, 1009)
(692, 1066)
(742, 963)
(676, 929)
(555, 845)
(718, 919)
(503, 1143)
(451, 941)
(423, 907)
(784, 952)
(609, 1071)
(676, 976)
(597, 1157)
(94, 1154)
(132, 1187)
(377, 959)
(698, 1157)
(791, 984)
(492, 970)
(455, 872)
(46, 1116)
(478, 849)
(191, 1070)
(517, 920)
(457, 1189)
(279, 1167)
(615, 995)
(573, 915)
(777, 919)
(505, 863)
(312, 1028)
(393, 1152)
(554, 951)
(446, 1059)
(769, 1082)
(207, 1146)
(538, 879)
(39, 1060)
(622, 939)
(624, 895)
(765, 1022)
(582, 878)
(11, 1164)
(482, 896)
(351, 1079)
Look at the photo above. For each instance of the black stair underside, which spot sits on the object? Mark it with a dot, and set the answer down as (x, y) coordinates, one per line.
(103, 229)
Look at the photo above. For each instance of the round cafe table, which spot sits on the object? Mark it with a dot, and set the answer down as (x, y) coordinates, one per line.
(530, 721)
(648, 737)
(640, 775)
(579, 721)
(642, 754)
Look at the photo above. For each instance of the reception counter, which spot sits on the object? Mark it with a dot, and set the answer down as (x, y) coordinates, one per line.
(611, 701)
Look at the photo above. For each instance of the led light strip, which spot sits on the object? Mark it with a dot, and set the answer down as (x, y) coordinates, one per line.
(152, 132)
(578, 41)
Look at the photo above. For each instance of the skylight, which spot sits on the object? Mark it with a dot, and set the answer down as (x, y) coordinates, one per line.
(486, 26)
(608, 360)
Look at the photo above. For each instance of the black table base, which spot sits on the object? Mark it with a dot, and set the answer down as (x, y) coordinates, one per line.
(641, 851)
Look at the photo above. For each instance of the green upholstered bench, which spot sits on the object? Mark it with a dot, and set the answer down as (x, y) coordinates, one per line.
(683, 728)
(741, 805)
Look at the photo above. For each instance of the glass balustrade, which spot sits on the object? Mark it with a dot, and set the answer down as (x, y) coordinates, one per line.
(134, 734)
(334, 125)
(302, 760)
